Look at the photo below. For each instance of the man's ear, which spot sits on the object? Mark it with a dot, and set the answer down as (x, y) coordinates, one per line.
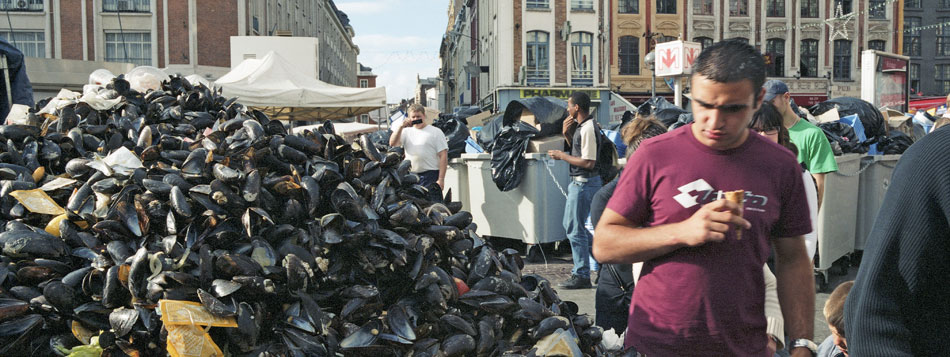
(787, 96)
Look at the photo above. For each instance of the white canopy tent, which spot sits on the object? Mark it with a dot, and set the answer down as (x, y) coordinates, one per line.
(274, 86)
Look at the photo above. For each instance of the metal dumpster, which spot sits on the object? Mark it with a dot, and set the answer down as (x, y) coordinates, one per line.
(456, 179)
(874, 182)
(837, 215)
(532, 212)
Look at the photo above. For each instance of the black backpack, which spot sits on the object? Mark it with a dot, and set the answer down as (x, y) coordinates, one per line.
(606, 165)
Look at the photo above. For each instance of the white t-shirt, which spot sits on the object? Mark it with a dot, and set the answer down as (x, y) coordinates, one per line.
(422, 147)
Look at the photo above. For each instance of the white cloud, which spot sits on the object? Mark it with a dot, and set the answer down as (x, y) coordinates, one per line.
(365, 7)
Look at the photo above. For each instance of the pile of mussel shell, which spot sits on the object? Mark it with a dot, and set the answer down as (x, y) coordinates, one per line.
(313, 245)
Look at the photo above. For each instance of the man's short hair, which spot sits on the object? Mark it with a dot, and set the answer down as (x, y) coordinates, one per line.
(582, 100)
(416, 108)
(732, 61)
(834, 307)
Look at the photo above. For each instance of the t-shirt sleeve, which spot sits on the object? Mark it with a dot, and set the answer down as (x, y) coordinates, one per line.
(822, 159)
(794, 217)
(632, 197)
(440, 141)
(589, 142)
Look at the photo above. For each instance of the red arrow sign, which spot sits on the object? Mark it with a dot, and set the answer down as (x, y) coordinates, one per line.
(669, 58)
(691, 56)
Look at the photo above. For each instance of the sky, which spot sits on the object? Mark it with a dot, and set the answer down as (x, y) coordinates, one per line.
(398, 39)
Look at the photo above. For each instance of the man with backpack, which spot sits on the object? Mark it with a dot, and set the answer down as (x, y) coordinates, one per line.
(585, 181)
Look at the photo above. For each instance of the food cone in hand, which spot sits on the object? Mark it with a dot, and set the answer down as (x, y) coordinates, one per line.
(738, 197)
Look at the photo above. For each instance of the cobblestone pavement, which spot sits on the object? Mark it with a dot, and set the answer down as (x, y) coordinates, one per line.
(556, 265)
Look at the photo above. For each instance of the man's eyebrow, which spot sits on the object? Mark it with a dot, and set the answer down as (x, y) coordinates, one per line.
(729, 107)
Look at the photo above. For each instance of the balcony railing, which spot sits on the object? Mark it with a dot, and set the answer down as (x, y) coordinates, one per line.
(21, 5)
(582, 78)
(538, 77)
(582, 4)
(537, 4)
(126, 6)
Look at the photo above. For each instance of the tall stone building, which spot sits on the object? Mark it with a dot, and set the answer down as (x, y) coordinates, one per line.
(499, 51)
(184, 36)
(927, 43)
(794, 35)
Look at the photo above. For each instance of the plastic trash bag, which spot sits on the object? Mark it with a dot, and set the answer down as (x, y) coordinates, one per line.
(843, 135)
(615, 137)
(491, 129)
(873, 121)
(455, 133)
(548, 111)
(507, 156)
(657, 103)
(896, 143)
(472, 147)
(683, 119)
(669, 116)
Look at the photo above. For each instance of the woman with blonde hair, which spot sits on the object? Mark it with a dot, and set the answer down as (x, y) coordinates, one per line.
(615, 281)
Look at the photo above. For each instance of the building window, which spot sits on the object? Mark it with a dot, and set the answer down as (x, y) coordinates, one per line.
(810, 9)
(364, 83)
(738, 7)
(845, 6)
(911, 38)
(665, 6)
(32, 44)
(664, 38)
(911, 4)
(126, 5)
(629, 55)
(943, 79)
(809, 63)
(702, 7)
(583, 5)
(914, 78)
(629, 6)
(537, 4)
(945, 4)
(129, 47)
(775, 54)
(775, 8)
(364, 118)
(943, 37)
(20, 5)
(537, 71)
(582, 44)
(842, 63)
(877, 45)
(877, 9)
(704, 41)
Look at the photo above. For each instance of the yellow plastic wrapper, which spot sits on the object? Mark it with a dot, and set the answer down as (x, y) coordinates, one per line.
(175, 312)
(190, 341)
(37, 201)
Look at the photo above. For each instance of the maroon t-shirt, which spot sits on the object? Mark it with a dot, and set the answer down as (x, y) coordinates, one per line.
(707, 300)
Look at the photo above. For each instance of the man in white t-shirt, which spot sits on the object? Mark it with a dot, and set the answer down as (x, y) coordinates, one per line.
(425, 146)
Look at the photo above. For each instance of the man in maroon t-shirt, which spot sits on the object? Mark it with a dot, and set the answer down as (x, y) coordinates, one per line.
(701, 290)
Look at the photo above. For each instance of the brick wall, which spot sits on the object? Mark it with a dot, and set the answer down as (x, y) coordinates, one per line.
(71, 24)
(560, 47)
(90, 30)
(217, 21)
(159, 15)
(178, 32)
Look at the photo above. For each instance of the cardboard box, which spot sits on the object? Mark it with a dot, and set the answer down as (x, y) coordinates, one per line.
(542, 145)
(528, 117)
(829, 116)
(478, 119)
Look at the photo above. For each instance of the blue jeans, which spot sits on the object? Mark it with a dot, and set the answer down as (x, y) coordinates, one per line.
(576, 211)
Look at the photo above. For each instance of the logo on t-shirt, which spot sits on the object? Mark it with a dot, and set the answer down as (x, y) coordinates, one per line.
(701, 192)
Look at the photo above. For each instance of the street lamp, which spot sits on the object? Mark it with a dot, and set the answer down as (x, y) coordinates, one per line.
(650, 60)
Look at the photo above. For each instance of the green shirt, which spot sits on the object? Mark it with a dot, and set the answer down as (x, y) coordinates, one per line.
(813, 147)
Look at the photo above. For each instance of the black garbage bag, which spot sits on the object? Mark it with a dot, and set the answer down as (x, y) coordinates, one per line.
(507, 156)
(657, 103)
(683, 119)
(843, 134)
(464, 113)
(875, 127)
(455, 132)
(896, 143)
(491, 128)
(669, 116)
(381, 137)
(548, 111)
